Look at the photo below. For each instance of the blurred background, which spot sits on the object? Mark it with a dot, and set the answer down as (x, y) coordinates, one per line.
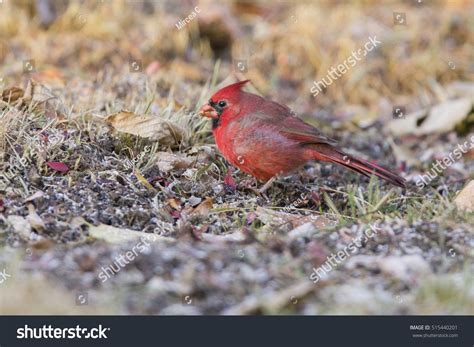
(407, 103)
(282, 46)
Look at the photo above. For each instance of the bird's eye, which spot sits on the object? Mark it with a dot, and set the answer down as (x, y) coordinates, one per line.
(222, 103)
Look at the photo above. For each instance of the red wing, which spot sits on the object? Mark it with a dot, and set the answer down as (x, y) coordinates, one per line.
(293, 127)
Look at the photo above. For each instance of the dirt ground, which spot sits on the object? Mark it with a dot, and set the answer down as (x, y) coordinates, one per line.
(99, 215)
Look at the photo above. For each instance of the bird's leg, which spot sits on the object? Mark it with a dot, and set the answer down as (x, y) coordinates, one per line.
(267, 185)
(261, 192)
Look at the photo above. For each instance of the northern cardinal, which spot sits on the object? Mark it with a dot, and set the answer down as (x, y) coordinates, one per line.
(264, 138)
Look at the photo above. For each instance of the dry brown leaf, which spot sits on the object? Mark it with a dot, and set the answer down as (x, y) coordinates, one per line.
(34, 93)
(203, 208)
(174, 204)
(34, 219)
(169, 161)
(154, 128)
(465, 199)
(441, 118)
(12, 94)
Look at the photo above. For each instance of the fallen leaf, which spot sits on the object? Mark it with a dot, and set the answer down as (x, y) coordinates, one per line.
(35, 220)
(154, 128)
(444, 117)
(58, 166)
(229, 182)
(117, 235)
(42, 244)
(174, 204)
(203, 208)
(465, 199)
(176, 214)
(441, 118)
(13, 94)
(169, 161)
(406, 125)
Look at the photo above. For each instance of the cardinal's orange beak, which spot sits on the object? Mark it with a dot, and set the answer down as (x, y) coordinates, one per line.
(208, 111)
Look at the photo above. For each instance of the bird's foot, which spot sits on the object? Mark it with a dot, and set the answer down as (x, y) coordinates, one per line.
(262, 191)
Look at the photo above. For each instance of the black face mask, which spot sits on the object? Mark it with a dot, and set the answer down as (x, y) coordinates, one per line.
(219, 110)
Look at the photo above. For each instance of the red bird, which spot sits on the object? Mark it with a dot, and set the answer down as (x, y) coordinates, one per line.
(264, 139)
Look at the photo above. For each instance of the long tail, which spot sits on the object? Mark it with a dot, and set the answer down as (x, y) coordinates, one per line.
(329, 153)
